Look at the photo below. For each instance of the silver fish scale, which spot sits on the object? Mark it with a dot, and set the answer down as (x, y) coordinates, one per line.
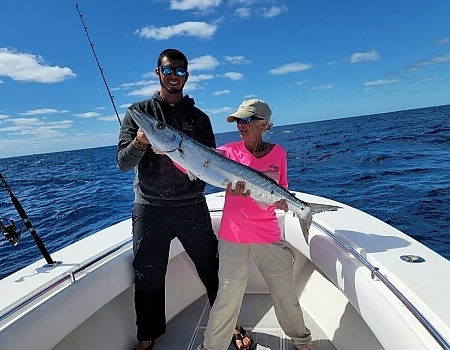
(217, 170)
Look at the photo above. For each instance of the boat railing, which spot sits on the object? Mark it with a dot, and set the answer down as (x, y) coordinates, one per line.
(68, 278)
(376, 274)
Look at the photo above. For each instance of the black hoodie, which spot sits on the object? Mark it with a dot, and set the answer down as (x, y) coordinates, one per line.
(158, 181)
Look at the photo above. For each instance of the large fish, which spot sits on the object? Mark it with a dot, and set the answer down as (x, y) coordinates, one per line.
(210, 166)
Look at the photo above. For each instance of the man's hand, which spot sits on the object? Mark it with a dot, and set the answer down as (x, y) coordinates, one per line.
(142, 138)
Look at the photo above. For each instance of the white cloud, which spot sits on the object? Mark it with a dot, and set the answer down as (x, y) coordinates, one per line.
(35, 126)
(24, 121)
(126, 86)
(26, 67)
(322, 87)
(192, 86)
(445, 41)
(420, 64)
(302, 82)
(196, 29)
(87, 115)
(381, 82)
(274, 11)
(435, 60)
(332, 63)
(427, 79)
(200, 77)
(242, 12)
(4, 116)
(148, 90)
(43, 111)
(233, 76)
(291, 67)
(111, 118)
(222, 92)
(243, 2)
(218, 110)
(206, 62)
(372, 55)
(193, 4)
(236, 59)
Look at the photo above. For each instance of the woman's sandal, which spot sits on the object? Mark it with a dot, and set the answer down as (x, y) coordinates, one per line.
(240, 336)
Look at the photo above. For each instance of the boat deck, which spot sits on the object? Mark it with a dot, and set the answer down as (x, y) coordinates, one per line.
(185, 331)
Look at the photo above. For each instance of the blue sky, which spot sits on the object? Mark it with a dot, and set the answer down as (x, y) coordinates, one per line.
(310, 60)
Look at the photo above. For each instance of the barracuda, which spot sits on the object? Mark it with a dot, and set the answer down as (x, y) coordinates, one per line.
(204, 163)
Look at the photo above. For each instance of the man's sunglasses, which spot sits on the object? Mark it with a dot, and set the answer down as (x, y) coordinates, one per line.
(168, 70)
(247, 120)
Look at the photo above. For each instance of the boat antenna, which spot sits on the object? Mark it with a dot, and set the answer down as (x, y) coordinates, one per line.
(8, 227)
(98, 64)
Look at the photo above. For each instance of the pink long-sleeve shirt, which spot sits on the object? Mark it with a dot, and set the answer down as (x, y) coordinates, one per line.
(243, 219)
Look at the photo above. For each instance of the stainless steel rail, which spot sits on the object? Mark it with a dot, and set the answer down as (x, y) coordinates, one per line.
(376, 273)
(70, 277)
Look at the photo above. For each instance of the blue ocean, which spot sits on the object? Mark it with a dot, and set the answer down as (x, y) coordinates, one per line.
(394, 166)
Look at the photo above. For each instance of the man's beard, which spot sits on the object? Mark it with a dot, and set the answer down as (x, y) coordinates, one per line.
(169, 89)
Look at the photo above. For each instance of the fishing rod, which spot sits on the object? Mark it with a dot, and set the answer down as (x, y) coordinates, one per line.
(8, 227)
(98, 64)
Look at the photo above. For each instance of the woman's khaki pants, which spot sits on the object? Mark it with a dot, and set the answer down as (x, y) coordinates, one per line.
(275, 262)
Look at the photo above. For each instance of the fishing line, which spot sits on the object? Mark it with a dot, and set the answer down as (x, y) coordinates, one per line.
(9, 231)
(98, 64)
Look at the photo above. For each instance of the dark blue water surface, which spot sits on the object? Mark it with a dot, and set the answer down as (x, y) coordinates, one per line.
(394, 166)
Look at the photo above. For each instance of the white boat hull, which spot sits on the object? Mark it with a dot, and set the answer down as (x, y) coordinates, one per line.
(94, 308)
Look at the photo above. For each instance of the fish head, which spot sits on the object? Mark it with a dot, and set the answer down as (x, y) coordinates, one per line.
(161, 136)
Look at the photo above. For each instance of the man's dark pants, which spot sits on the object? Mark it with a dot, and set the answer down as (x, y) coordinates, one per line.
(153, 230)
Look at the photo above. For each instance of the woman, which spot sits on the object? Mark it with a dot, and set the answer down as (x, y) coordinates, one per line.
(247, 228)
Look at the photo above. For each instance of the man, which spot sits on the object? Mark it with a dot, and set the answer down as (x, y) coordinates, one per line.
(167, 203)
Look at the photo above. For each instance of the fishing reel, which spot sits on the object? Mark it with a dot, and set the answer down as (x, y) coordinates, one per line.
(9, 231)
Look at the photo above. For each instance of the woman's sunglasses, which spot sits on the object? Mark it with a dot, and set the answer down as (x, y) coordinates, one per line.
(168, 70)
(247, 120)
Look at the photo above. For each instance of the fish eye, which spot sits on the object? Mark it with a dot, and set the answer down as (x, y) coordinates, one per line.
(160, 126)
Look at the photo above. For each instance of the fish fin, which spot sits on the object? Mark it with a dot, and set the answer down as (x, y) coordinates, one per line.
(319, 208)
(305, 224)
(191, 176)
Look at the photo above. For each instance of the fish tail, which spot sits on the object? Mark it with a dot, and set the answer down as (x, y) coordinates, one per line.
(319, 208)
(305, 224)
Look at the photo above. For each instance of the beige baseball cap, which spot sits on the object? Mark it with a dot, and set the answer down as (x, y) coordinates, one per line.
(251, 107)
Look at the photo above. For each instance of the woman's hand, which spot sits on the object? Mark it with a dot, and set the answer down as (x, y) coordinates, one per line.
(239, 189)
(282, 205)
